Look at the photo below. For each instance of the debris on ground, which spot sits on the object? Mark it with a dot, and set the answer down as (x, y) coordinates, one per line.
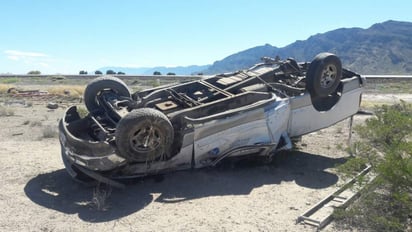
(52, 105)
(18, 92)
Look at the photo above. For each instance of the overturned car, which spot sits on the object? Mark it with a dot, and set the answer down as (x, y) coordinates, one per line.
(253, 112)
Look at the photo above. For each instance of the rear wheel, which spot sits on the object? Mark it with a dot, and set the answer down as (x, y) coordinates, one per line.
(144, 135)
(323, 75)
(98, 85)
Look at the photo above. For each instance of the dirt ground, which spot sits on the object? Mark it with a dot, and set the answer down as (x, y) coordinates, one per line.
(37, 194)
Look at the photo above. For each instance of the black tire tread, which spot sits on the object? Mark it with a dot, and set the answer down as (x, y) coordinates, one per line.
(100, 83)
(133, 118)
(312, 75)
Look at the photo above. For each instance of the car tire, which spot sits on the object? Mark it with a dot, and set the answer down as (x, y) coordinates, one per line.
(323, 75)
(94, 88)
(144, 135)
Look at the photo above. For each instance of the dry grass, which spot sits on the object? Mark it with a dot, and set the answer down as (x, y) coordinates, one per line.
(5, 87)
(67, 90)
(101, 193)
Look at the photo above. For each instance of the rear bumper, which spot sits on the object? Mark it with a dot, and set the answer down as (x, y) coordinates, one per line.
(87, 153)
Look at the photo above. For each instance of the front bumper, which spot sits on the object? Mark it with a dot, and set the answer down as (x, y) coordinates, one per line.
(80, 149)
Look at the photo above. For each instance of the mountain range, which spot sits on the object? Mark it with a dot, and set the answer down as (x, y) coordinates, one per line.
(384, 48)
(179, 70)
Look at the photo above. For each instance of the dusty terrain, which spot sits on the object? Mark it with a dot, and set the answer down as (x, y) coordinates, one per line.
(37, 194)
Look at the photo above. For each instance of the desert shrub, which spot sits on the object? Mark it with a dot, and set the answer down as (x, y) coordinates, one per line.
(9, 80)
(386, 144)
(4, 88)
(83, 112)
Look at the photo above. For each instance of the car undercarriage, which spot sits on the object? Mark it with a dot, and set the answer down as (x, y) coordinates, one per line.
(199, 123)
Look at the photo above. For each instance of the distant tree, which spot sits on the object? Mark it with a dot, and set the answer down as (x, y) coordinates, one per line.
(98, 72)
(171, 74)
(121, 73)
(110, 72)
(200, 74)
(34, 72)
(82, 72)
(157, 73)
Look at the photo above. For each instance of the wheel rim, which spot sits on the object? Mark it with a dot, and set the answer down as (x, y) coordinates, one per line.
(145, 139)
(329, 75)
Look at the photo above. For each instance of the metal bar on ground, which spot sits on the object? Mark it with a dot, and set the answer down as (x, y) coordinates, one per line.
(329, 203)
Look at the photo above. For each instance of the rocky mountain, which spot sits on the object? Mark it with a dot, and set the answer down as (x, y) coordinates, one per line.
(384, 48)
(179, 70)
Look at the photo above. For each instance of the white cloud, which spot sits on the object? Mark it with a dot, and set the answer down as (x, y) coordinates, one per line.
(20, 55)
(29, 60)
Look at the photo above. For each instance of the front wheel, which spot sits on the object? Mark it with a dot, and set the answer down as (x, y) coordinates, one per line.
(144, 135)
(323, 75)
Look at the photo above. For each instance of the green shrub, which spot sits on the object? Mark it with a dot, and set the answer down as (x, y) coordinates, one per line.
(386, 144)
(83, 112)
(9, 80)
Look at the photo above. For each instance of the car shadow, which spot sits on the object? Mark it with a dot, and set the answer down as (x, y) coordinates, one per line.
(57, 191)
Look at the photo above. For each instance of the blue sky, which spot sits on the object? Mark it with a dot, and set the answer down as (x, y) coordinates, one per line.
(66, 36)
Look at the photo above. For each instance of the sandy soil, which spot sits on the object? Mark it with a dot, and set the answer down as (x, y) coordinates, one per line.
(388, 98)
(37, 194)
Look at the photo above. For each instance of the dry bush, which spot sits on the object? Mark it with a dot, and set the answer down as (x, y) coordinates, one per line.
(5, 87)
(385, 143)
(101, 193)
(67, 90)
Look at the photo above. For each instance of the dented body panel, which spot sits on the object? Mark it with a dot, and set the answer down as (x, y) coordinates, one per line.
(251, 112)
(305, 118)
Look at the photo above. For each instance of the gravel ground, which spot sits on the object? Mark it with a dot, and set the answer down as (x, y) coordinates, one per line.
(38, 195)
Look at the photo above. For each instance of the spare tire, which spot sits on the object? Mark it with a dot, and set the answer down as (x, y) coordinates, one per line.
(323, 75)
(144, 135)
(95, 87)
